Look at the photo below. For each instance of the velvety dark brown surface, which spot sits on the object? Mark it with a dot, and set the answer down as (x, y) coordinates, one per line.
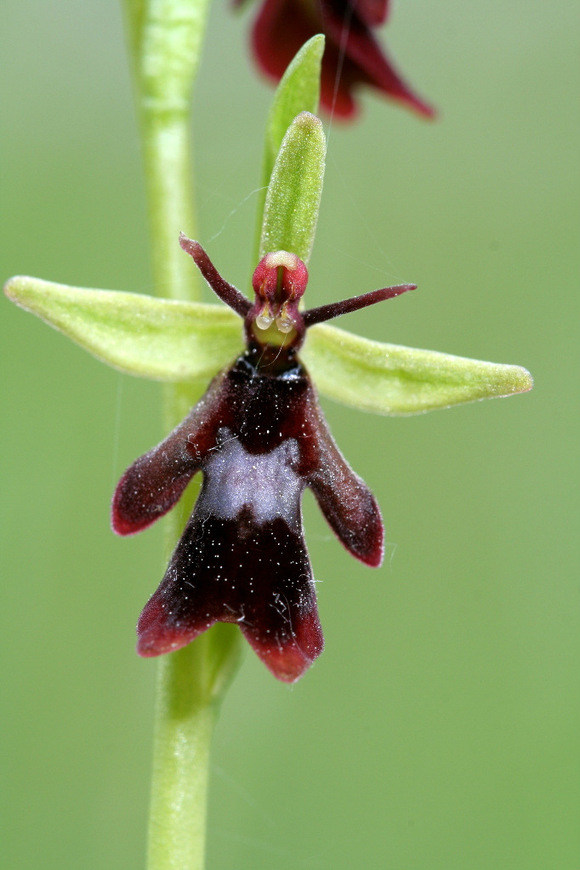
(260, 439)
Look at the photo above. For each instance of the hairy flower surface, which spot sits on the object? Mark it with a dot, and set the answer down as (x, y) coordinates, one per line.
(352, 57)
(259, 437)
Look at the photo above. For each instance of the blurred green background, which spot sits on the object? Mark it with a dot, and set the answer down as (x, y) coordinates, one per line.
(439, 730)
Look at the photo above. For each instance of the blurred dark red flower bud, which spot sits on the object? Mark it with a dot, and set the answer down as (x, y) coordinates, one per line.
(353, 55)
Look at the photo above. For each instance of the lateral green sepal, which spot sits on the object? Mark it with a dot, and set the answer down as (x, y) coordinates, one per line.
(162, 339)
(169, 340)
(390, 379)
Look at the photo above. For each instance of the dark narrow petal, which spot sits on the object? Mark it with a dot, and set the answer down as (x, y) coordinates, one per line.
(336, 309)
(154, 482)
(349, 506)
(226, 292)
(238, 570)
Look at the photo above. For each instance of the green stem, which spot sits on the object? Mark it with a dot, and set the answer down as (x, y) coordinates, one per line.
(166, 155)
(191, 683)
(184, 724)
(165, 38)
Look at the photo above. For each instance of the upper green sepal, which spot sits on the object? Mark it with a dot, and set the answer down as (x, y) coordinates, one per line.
(293, 197)
(395, 380)
(162, 339)
(298, 91)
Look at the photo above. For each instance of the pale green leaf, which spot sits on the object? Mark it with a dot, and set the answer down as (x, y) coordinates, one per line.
(293, 198)
(390, 379)
(154, 338)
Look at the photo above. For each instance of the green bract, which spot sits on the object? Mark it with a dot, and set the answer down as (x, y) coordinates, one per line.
(298, 91)
(391, 379)
(293, 198)
(162, 339)
(180, 341)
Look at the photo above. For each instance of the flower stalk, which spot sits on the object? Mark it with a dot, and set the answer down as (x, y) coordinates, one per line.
(165, 38)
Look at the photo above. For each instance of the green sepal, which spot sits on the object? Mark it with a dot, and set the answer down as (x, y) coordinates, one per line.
(293, 197)
(169, 340)
(162, 339)
(395, 380)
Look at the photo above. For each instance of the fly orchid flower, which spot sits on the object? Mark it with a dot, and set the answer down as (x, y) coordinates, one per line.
(260, 438)
(258, 435)
(353, 56)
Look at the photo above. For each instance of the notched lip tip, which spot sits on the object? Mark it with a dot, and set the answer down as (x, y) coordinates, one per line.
(374, 561)
(148, 650)
(290, 678)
